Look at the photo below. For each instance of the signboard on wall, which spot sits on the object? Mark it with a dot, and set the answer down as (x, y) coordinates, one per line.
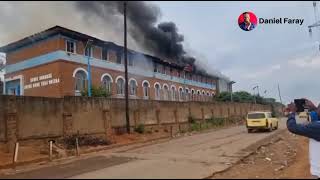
(41, 81)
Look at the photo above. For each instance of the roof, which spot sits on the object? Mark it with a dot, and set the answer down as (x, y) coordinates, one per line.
(266, 111)
(83, 37)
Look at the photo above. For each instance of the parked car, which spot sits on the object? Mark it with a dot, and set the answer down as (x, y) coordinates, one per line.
(261, 121)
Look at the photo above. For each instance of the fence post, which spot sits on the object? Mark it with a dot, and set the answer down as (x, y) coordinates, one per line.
(50, 150)
(15, 155)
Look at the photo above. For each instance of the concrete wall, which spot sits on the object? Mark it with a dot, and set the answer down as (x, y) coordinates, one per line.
(38, 117)
(2, 119)
(23, 118)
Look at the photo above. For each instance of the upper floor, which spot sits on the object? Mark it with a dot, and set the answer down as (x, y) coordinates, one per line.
(75, 44)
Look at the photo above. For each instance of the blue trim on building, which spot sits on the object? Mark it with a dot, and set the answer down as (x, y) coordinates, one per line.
(57, 55)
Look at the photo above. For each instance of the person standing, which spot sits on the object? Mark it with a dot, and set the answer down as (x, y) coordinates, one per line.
(310, 130)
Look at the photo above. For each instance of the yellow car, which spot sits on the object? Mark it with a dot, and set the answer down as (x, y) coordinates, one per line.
(261, 120)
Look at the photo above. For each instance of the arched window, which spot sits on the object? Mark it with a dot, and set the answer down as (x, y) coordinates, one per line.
(203, 96)
(165, 92)
(80, 80)
(157, 91)
(106, 83)
(120, 86)
(198, 95)
(146, 90)
(173, 93)
(133, 88)
(192, 95)
(180, 94)
(187, 95)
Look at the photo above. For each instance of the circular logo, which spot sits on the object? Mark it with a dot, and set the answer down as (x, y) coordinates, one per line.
(247, 21)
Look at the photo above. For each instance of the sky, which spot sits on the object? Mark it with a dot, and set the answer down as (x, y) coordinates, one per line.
(269, 55)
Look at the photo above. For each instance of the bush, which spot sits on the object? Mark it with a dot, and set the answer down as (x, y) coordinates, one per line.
(84, 140)
(97, 92)
(191, 119)
(140, 129)
(195, 126)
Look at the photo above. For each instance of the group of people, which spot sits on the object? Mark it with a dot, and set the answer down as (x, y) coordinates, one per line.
(310, 129)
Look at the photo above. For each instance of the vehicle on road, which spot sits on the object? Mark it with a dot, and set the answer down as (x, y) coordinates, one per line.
(261, 121)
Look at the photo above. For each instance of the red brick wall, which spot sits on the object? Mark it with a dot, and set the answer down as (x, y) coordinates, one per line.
(64, 70)
(36, 49)
(53, 90)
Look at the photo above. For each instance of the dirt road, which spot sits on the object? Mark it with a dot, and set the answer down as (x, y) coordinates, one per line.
(286, 157)
(197, 156)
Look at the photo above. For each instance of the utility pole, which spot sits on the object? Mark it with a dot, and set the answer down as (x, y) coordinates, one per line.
(254, 95)
(280, 98)
(126, 66)
(88, 47)
(316, 24)
(279, 93)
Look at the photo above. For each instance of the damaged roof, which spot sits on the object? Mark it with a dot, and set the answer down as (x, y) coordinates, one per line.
(83, 37)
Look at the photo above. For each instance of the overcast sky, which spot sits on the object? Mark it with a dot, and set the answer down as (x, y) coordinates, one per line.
(266, 56)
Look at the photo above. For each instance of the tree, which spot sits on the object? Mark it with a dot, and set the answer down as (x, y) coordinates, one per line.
(224, 96)
(244, 96)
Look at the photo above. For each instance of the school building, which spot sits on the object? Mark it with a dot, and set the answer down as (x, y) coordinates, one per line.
(53, 63)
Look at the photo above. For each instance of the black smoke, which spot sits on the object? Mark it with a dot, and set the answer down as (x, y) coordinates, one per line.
(162, 39)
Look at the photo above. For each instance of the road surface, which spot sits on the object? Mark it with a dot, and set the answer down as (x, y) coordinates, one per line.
(197, 156)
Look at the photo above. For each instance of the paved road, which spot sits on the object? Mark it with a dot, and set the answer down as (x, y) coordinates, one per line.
(196, 156)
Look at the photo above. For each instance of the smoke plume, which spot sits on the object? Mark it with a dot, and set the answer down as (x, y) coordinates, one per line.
(162, 40)
(101, 19)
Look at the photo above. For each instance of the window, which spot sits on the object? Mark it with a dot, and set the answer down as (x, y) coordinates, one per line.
(198, 96)
(145, 90)
(168, 71)
(130, 60)
(173, 93)
(106, 83)
(119, 58)
(105, 54)
(187, 95)
(192, 95)
(88, 51)
(165, 93)
(120, 86)
(133, 88)
(157, 92)
(203, 96)
(256, 116)
(180, 94)
(81, 81)
(70, 46)
(159, 68)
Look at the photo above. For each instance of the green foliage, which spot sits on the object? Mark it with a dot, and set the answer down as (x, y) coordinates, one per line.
(191, 119)
(97, 92)
(224, 96)
(195, 126)
(245, 97)
(140, 129)
(216, 121)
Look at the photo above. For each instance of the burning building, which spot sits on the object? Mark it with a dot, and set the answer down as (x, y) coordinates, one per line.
(53, 63)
